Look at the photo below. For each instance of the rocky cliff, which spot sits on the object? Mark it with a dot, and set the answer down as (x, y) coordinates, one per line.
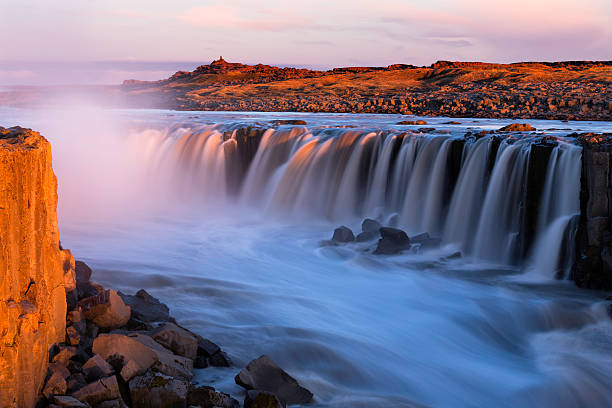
(34, 270)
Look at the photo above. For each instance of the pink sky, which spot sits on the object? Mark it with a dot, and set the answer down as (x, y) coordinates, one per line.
(56, 41)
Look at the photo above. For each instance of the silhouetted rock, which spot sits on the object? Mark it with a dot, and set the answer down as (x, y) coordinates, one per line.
(263, 374)
(518, 127)
(392, 241)
(343, 234)
(370, 225)
(289, 122)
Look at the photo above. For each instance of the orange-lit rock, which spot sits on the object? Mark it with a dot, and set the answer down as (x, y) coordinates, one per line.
(32, 266)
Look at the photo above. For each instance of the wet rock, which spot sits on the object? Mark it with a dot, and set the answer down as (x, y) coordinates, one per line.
(289, 122)
(96, 367)
(264, 374)
(56, 385)
(156, 390)
(179, 340)
(83, 271)
(517, 127)
(262, 399)
(146, 308)
(367, 236)
(101, 390)
(412, 122)
(455, 255)
(68, 402)
(392, 241)
(370, 225)
(106, 310)
(207, 397)
(209, 354)
(343, 234)
(145, 351)
(420, 238)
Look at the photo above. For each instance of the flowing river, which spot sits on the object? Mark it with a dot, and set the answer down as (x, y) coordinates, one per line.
(225, 225)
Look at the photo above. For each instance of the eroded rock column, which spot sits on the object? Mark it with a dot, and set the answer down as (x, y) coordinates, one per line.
(33, 268)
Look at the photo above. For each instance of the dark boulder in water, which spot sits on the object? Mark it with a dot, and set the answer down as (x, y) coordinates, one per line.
(455, 255)
(370, 225)
(392, 241)
(343, 234)
(366, 236)
(420, 238)
(265, 375)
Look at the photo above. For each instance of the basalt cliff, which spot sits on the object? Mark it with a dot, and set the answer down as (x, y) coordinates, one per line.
(35, 272)
(572, 90)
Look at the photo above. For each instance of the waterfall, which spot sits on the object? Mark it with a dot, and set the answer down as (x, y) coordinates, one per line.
(469, 192)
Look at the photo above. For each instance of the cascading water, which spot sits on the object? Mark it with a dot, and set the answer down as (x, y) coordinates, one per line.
(344, 174)
(358, 330)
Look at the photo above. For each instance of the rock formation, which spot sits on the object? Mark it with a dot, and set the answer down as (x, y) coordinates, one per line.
(593, 266)
(34, 271)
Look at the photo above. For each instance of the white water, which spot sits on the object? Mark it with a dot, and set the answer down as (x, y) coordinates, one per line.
(358, 330)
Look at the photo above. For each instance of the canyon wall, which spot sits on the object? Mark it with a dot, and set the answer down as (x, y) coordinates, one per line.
(34, 270)
(593, 266)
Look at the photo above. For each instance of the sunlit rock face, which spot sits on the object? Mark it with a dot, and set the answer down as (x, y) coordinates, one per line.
(33, 268)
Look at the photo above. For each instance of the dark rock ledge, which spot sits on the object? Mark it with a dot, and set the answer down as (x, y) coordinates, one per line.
(126, 350)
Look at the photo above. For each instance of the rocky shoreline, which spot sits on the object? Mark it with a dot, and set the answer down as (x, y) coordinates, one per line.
(128, 351)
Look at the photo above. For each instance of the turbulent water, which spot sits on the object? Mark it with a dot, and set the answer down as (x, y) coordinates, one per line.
(228, 233)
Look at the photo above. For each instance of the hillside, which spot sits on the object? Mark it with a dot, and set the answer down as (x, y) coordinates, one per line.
(557, 90)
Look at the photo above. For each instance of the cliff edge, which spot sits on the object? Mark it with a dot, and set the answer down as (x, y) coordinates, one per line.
(34, 271)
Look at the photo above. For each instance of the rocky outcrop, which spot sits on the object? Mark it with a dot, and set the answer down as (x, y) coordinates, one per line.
(34, 270)
(593, 265)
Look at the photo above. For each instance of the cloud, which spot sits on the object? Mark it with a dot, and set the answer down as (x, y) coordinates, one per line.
(231, 17)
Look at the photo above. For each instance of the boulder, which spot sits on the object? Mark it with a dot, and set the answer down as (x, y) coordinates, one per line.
(517, 127)
(156, 390)
(146, 308)
(145, 351)
(59, 367)
(104, 389)
(207, 397)
(412, 122)
(392, 241)
(289, 122)
(262, 399)
(130, 370)
(370, 225)
(343, 234)
(209, 354)
(83, 271)
(68, 402)
(64, 354)
(106, 310)
(56, 385)
(96, 367)
(265, 375)
(179, 340)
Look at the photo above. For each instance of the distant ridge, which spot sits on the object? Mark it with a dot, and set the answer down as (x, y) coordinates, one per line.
(548, 90)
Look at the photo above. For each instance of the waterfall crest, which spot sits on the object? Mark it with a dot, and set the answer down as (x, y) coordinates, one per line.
(478, 194)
